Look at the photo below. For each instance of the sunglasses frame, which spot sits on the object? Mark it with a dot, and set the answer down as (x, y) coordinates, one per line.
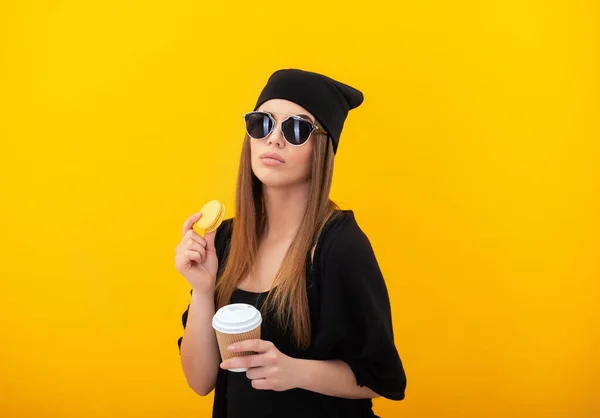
(270, 115)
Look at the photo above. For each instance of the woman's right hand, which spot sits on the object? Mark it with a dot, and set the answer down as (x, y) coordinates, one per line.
(196, 257)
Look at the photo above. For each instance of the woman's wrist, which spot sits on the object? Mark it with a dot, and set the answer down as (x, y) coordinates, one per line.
(329, 377)
(302, 373)
(204, 293)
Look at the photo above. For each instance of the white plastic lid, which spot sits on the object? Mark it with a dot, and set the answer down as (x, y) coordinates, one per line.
(236, 318)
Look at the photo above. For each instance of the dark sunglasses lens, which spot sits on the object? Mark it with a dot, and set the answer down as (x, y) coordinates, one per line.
(258, 125)
(296, 131)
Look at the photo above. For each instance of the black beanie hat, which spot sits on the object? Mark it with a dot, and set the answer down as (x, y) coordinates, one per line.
(327, 99)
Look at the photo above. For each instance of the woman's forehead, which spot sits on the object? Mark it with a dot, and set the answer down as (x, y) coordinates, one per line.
(285, 107)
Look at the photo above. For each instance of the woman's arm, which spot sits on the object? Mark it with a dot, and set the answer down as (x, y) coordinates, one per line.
(270, 369)
(199, 350)
(355, 318)
(331, 377)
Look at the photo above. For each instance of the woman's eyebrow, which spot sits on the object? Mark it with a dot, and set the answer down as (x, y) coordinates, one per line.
(306, 117)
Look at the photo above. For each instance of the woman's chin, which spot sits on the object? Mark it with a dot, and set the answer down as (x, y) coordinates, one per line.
(275, 180)
(270, 181)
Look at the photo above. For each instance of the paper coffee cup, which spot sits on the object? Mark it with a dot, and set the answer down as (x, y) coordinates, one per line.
(233, 323)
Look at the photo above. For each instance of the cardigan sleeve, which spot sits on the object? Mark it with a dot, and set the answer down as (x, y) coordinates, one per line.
(355, 313)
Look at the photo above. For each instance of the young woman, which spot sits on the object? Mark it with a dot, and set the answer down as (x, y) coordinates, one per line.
(327, 344)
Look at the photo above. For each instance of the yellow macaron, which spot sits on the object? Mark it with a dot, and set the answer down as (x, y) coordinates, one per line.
(213, 214)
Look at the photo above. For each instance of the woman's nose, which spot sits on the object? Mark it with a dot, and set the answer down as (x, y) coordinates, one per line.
(276, 137)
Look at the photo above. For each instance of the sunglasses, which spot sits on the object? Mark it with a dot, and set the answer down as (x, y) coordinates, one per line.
(295, 129)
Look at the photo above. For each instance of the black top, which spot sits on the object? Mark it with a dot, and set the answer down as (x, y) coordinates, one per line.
(350, 321)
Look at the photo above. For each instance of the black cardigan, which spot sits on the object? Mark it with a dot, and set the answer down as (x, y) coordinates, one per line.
(350, 321)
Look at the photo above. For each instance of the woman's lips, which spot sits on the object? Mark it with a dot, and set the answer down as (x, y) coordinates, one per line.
(270, 161)
(271, 158)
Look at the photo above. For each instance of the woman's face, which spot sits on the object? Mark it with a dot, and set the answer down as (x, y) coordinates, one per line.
(292, 164)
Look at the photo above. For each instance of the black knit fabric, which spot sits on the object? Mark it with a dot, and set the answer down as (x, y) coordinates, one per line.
(327, 99)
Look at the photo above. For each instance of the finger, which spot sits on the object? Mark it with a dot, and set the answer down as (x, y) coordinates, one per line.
(191, 234)
(180, 261)
(187, 225)
(193, 255)
(193, 245)
(183, 261)
(261, 384)
(253, 360)
(202, 253)
(209, 237)
(190, 244)
(259, 372)
(257, 345)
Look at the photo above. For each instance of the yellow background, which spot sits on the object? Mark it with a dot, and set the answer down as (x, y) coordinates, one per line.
(473, 166)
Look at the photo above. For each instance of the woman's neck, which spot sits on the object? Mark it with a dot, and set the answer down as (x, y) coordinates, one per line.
(285, 208)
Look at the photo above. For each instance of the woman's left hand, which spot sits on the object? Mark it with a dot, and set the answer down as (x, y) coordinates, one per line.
(269, 369)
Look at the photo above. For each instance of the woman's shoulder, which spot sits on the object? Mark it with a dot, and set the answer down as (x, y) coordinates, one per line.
(340, 222)
(344, 257)
(342, 236)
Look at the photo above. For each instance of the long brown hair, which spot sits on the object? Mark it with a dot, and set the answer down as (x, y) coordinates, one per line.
(287, 298)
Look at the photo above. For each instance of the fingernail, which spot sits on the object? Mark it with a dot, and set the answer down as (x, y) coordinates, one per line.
(231, 348)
